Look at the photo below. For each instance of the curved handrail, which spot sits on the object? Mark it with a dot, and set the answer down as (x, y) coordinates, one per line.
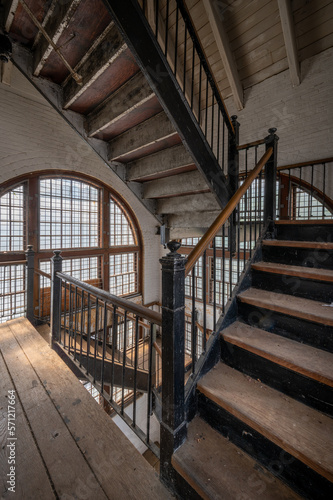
(141, 311)
(204, 242)
(304, 164)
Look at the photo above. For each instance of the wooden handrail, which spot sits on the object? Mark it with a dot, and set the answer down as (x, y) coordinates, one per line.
(12, 262)
(305, 164)
(251, 144)
(203, 244)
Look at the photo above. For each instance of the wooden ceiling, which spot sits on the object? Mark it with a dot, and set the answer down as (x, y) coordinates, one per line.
(258, 37)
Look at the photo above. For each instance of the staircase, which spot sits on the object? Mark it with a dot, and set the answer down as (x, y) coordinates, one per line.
(265, 410)
(112, 99)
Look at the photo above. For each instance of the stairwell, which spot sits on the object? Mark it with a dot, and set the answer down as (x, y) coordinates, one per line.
(264, 426)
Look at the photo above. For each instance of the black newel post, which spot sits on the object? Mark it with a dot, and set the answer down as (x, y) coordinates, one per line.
(233, 176)
(270, 177)
(56, 266)
(30, 256)
(173, 425)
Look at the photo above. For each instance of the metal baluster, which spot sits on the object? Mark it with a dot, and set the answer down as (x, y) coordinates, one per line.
(223, 268)
(96, 336)
(214, 282)
(82, 324)
(311, 193)
(218, 138)
(105, 326)
(290, 198)
(149, 392)
(206, 110)
(193, 323)
(200, 78)
(136, 344)
(176, 39)
(63, 285)
(75, 323)
(156, 18)
(185, 49)
(212, 131)
(114, 343)
(166, 28)
(204, 293)
(124, 364)
(324, 187)
(88, 330)
(192, 83)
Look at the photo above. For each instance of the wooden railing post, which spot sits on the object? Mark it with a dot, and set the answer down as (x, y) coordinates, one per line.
(233, 176)
(270, 177)
(173, 425)
(30, 256)
(56, 266)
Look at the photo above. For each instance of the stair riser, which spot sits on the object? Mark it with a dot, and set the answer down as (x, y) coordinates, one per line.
(293, 285)
(291, 470)
(314, 334)
(322, 259)
(304, 232)
(295, 385)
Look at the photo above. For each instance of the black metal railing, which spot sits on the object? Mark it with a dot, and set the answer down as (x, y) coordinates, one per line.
(173, 28)
(303, 190)
(113, 342)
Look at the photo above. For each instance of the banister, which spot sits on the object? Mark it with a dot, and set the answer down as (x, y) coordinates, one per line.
(204, 242)
(251, 144)
(140, 311)
(305, 164)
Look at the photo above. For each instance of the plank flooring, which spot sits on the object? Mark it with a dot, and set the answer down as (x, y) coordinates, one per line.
(307, 309)
(67, 446)
(302, 431)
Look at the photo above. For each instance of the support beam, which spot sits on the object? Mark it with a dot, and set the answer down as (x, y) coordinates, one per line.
(54, 28)
(289, 35)
(160, 164)
(130, 96)
(10, 9)
(104, 54)
(223, 45)
(144, 137)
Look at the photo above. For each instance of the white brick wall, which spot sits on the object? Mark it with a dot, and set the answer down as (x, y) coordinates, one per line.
(34, 137)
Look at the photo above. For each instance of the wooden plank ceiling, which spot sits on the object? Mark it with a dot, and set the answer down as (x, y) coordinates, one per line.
(254, 33)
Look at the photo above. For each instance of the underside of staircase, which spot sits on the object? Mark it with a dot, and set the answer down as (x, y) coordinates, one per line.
(128, 109)
(264, 425)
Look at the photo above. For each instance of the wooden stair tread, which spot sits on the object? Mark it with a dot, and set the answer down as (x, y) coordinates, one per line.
(298, 429)
(211, 464)
(309, 361)
(298, 244)
(312, 222)
(307, 309)
(300, 271)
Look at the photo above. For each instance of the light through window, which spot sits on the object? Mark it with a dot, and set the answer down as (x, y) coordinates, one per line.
(69, 214)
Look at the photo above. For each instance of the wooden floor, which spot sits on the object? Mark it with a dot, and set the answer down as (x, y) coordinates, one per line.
(63, 444)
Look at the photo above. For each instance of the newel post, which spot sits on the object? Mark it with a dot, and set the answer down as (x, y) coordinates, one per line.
(173, 425)
(270, 177)
(56, 266)
(30, 256)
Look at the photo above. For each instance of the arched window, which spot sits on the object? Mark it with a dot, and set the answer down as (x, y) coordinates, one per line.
(94, 229)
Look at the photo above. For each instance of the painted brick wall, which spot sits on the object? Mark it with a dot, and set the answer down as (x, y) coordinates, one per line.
(34, 137)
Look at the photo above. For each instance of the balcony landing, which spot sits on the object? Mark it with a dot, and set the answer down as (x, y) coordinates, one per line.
(63, 445)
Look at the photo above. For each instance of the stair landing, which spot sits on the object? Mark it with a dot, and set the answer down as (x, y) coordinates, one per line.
(66, 446)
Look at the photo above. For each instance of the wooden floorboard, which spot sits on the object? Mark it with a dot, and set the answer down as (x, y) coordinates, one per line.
(299, 271)
(84, 451)
(301, 431)
(212, 464)
(309, 361)
(31, 481)
(311, 310)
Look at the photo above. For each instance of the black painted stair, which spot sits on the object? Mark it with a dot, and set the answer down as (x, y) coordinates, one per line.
(271, 395)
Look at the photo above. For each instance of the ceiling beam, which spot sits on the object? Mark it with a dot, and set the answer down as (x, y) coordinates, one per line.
(288, 29)
(10, 9)
(54, 27)
(223, 45)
